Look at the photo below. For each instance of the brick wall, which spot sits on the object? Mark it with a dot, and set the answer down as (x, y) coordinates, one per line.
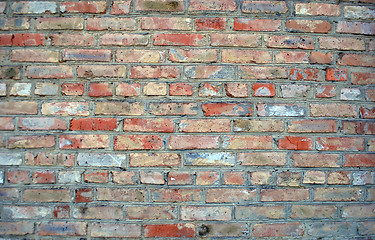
(196, 118)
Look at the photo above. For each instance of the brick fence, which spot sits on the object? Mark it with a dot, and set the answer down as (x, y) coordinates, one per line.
(187, 119)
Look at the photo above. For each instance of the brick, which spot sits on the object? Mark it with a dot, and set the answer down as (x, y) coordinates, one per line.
(83, 7)
(128, 90)
(209, 72)
(59, 23)
(325, 91)
(160, 6)
(278, 229)
(36, 55)
(209, 159)
(152, 178)
(124, 178)
(21, 89)
(288, 178)
(148, 125)
(366, 228)
(284, 195)
(14, 23)
(234, 40)
(69, 176)
(290, 42)
(49, 159)
(27, 212)
(210, 90)
(350, 94)
(193, 55)
(309, 26)
(3, 89)
(111, 71)
(356, 60)
(295, 91)
(266, 25)
(259, 212)
(6, 123)
(89, 55)
(116, 24)
(292, 57)
(193, 142)
(356, 28)
(46, 195)
(307, 74)
(358, 211)
(359, 160)
(73, 89)
(179, 178)
(370, 95)
(251, 72)
(100, 90)
(261, 7)
(357, 127)
(83, 141)
(227, 109)
(181, 230)
(236, 90)
(121, 7)
(206, 213)
(341, 43)
(93, 124)
(204, 24)
(71, 39)
(180, 39)
(333, 110)
(101, 212)
(332, 229)
(166, 23)
(66, 108)
(83, 195)
(359, 12)
(119, 108)
(161, 109)
(44, 177)
(155, 89)
(10, 72)
(31, 142)
(336, 194)
(115, 230)
(340, 74)
(24, 7)
(367, 112)
(207, 178)
(223, 229)
(245, 56)
(338, 178)
(313, 211)
(120, 195)
(262, 159)
(339, 144)
(247, 142)
(9, 194)
(144, 72)
(314, 177)
(230, 195)
(46, 89)
(41, 124)
(137, 142)
(363, 178)
(180, 89)
(140, 56)
(317, 9)
(209, 125)
(280, 110)
(49, 72)
(16, 228)
(101, 160)
(62, 229)
(18, 176)
(176, 195)
(312, 126)
(118, 39)
(150, 212)
(245, 125)
(212, 5)
(321, 58)
(264, 90)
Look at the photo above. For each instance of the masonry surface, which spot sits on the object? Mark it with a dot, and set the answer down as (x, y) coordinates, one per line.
(202, 119)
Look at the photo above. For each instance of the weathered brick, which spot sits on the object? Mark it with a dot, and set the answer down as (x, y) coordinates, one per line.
(212, 5)
(209, 159)
(140, 56)
(102, 212)
(278, 229)
(193, 55)
(66, 108)
(280, 110)
(181, 230)
(121, 7)
(339, 144)
(73, 89)
(14, 23)
(117, 39)
(41, 124)
(180, 178)
(155, 89)
(210, 72)
(89, 55)
(356, 60)
(49, 72)
(119, 108)
(341, 43)
(207, 178)
(124, 177)
(71, 39)
(31, 142)
(148, 125)
(193, 142)
(245, 125)
(250, 72)
(359, 160)
(247, 142)
(152, 177)
(313, 211)
(284, 195)
(49, 159)
(268, 7)
(9, 159)
(62, 229)
(151, 212)
(107, 230)
(128, 90)
(333, 110)
(59, 23)
(101, 160)
(359, 12)
(262, 159)
(206, 213)
(317, 9)
(137, 142)
(154, 159)
(39, 7)
(209, 125)
(237, 90)
(160, 6)
(234, 40)
(227, 109)
(180, 39)
(321, 58)
(309, 26)
(314, 177)
(264, 90)
(16, 228)
(46, 195)
(267, 25)
(290, 42)
(100, 90)
(166, 23)
(161, 109)
(312, 126)
(176, 195)
(230, 195)
(356, 28)
(83, 7)
(259, 212)
(83, 141)
(332, 229)
(295, 91)
(203, 24)
(155, 72)
(292, 57)
(44, 177)
(336, 194)
(120, 195)
(339, 177)
(89, 71)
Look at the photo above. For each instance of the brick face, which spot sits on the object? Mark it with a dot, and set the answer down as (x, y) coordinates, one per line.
(199, 119)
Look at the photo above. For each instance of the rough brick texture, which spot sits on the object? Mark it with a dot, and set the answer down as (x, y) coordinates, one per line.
(177, 119)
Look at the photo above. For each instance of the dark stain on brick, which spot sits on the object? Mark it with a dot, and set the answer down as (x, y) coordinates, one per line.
(154, 5)
(203, 230)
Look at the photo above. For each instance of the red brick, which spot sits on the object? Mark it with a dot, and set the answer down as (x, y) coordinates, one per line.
(116, 24)
(205, 125)
(228, 195)
(66, 108)
(137, 142)
(180, 89)
(367, 112)
(278, 229)
(140, 56)
(49, 159)
(340, 144)
(341, 43)
(31, 142)
(359, 160)
(59, 23)
(321, 58)
(166, 23)
(121, 7)
(251, 72)
(292, 57)
(6, 123)
(356, 28)
(296, 143)
(83, 141)
(210, 90)
(27, 39)
(290, 42)
(160, 6)
(180, 178)
(148, 125)
(262, 159)
(227, 109)
(35, 55)
(284, 195)
(18, 176)
(234, 40)
(356, 60)
(317, 9)
(73, 89)
(61, 212)
(236, 90)
(247, 142)
(212, 5)
(370, 95)
(312, 126)
(207, 178)
(339, 177)
(93, 124)
(308, 74)
(83, 7)
(193, 55)
(90, 71)
(180, 39)
(340, 74)
(49, 72)
(100, 90)
(175, 109)
(261, 7)
(311, 26)
(176, 195)
(118, 39)
(181, 230)
(333, 110)
(6, 39)
(128, 90)
(267, 25)
(44, 177)
(193, 142)
(234, 178)
(264, 90)
(71, 39)
(325, 91)
(46, 195)
(204, 24)
(84, 195)
(315, 160)
(154, 72)
(115, 230)
(96, 176)
(357, 127)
